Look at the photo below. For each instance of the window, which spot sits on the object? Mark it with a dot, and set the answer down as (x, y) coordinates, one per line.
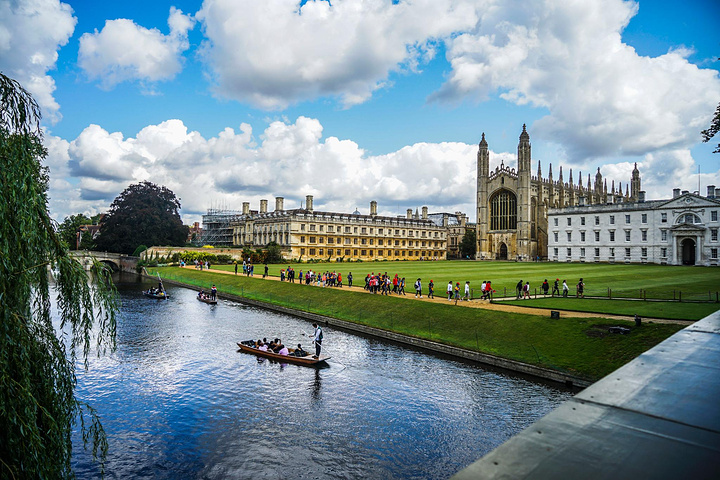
(555, 252)
(688, 218)
(643, 218)
(363, 252)
(663, 252)
(347, 230)
(569, 234)
(612, 219)
(612, 235)
(355, 242)
(612, 251)
(663, 235)
(302, 251)
(331, 240)
(363, 241)
(644, 235)
(569, 252)
(380, 231)
(582, 236)
(713, 215)
(347, 252)
(569, 220)
(714, 234)
(302, 239)
(582, 252)
(371, 230)
(627, 235)
(627, 219)
(330, 252)
(312, 228)
(556, 221)
(363, 230)
(355, 231)
(380, 241)
(313, 239)
(663, 217)
(582, 220)
(322, 229)
(330, 228)
(503, 211)
(713, 253)
(597, 220)
(397, 232)
(397, 243)
(597, 252)
(312, 251)
(355, 252)
(627, 252)
(643, 252)
(372, 241)
(556, 236)
(302, 227)
(597, 236)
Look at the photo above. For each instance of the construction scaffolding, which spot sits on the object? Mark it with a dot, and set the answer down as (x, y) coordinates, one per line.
(218, 227)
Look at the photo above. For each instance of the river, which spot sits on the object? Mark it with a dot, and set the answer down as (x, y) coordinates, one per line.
(178, 401)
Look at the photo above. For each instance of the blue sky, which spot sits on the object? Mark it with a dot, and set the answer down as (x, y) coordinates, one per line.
(358, 101)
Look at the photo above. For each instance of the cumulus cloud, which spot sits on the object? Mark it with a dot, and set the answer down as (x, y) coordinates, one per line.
(569, 58)
(272, 54)
(287, 159)
(124, 51)
(28, 56)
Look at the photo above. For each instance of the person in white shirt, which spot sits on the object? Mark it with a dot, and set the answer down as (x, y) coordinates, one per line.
(467, 291)
(317, 339)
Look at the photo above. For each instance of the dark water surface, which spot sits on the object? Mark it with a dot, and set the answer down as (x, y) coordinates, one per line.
(178, 401)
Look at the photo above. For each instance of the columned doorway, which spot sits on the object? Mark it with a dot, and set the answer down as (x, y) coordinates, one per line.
(503, 252)
(687, 247)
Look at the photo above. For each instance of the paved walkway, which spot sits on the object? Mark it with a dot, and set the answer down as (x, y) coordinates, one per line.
(483, 304)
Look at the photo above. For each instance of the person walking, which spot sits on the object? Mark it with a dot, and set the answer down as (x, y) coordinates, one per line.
(565, 289)
(431, 289)
(317, 339)
(265, 274)
(518, 290)
(418, 288)
(467, 291)
(580, 289)
(545, 287)
(556, 288)
(526, 291)
(349, 278)
(236, 268)
(456, 290)
(449, 290)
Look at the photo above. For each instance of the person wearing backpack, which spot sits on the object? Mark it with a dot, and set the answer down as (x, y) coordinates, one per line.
(418, 288)
(317, 339)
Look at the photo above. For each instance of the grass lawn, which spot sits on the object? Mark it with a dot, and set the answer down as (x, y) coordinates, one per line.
(578, 346)
(628, 281)
(673, 310)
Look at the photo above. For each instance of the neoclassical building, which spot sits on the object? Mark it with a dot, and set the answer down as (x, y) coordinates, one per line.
(512, 205)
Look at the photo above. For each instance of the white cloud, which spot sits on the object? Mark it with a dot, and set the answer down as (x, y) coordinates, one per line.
(31, 32)
(272, 54)
(569, 58)
(291, 160)
(124, 51)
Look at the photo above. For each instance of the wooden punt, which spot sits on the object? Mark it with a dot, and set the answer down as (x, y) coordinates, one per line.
(307, 360)
(207, 300)
(159, 296)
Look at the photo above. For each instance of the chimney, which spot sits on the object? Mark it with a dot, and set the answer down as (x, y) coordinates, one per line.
(424, 213)
(641, 196)
(711, 191)
(373, 208)
(676, 192)
(263, 206)
(279, 201)
(246, 208)
(409, 213)
(309, 203)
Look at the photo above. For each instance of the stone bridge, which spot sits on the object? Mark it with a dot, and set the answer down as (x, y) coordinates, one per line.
(116, 261)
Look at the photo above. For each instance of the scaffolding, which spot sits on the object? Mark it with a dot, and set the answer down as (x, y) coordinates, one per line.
(218, 226)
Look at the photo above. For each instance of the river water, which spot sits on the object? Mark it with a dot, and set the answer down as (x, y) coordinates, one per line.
(178, 401)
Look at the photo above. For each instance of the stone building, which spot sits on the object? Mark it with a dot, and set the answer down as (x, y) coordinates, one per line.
(512, 205)
(456, 225)
(306, 234)
(682, 230)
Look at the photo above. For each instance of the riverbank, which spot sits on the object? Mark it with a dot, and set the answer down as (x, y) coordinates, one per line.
(578, 350)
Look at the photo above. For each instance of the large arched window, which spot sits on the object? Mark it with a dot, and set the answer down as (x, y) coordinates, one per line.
(503, 211)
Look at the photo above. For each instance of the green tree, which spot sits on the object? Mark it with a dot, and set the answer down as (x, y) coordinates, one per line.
(274, 253)
(714, 128)
(143, 214)
(38, 407)
(468, 245)
(69, 227)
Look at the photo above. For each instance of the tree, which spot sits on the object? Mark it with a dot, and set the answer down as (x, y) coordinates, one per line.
(468, 245)
(274, 253)
(714, 128)
(69, 227)
(144, 213)
(38, 407)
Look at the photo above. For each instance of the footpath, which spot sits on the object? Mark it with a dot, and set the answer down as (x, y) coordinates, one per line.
(483, 304)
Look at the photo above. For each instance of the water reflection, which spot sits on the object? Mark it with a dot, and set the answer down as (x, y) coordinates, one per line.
(179, 401)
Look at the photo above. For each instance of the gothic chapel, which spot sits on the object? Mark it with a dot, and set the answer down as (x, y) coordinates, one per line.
(512, 205)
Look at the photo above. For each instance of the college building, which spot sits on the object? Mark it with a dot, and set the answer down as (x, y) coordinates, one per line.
(305, 234)
(682, 230)
(513, 205)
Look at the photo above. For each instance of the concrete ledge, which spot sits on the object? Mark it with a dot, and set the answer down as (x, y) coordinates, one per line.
(656, 417)
(483, 358)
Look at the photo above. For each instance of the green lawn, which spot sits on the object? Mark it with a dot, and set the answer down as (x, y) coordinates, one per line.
(628, 281)
(577, 346)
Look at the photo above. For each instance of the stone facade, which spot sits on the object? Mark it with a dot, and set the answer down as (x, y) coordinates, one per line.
(679, 231)
(306, 234)
(512, 206)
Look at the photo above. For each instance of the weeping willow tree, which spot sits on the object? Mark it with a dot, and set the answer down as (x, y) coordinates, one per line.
(38, 406)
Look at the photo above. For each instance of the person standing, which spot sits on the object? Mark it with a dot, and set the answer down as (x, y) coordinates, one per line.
(431, 289)
(467, 291)
(565, 289)
(266, 271)
(317, 339)
(213, 293)
(449, 290)
(556, 288)
(236, 268)
(349, 278)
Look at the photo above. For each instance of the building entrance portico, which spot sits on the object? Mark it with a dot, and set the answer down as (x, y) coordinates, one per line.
(688, 249)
